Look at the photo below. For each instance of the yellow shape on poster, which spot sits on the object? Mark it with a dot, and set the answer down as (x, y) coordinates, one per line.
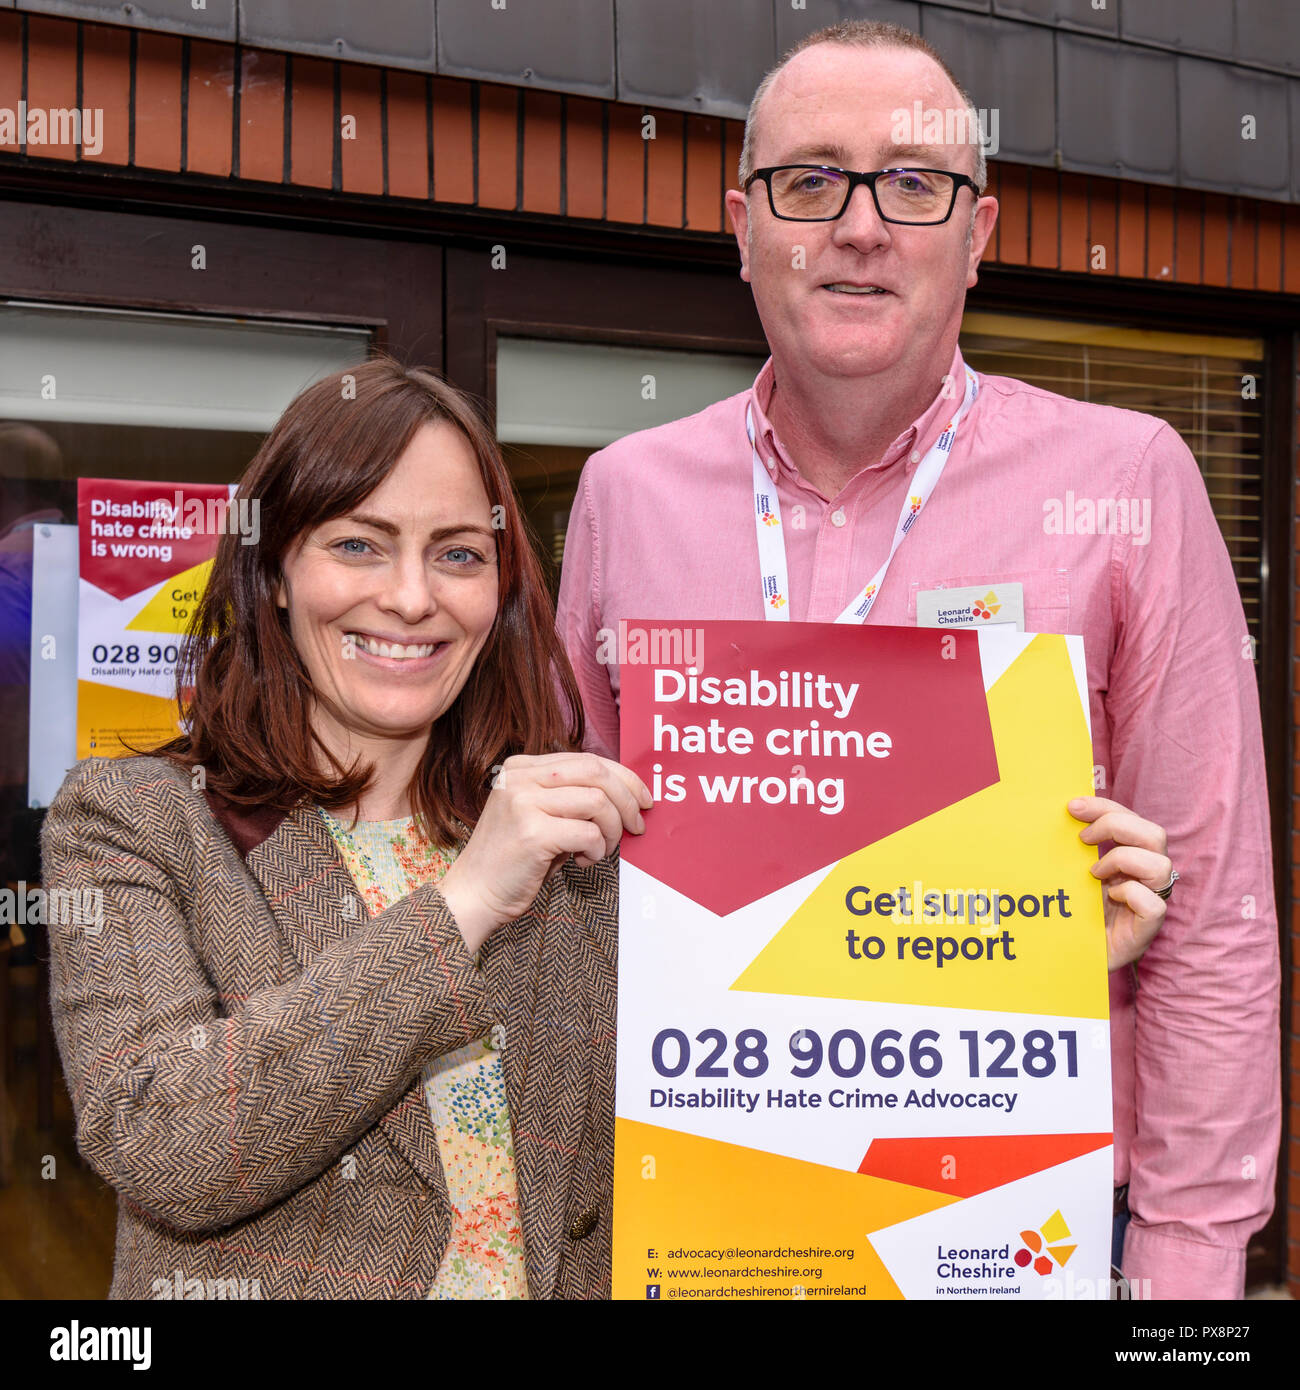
(104, 711)
(759, 1201)
(173, 605)
(1054, 1228)
(1014, 837)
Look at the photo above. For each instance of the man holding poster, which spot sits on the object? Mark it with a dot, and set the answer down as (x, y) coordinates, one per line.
(802, 500)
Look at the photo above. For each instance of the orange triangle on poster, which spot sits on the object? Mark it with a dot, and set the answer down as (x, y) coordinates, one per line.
(963, 1167)
(1061, 1253)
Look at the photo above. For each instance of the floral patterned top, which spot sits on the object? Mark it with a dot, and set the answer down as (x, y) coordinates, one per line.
(465, 1089)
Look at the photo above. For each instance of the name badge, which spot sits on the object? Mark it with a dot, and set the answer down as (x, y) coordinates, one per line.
(977, 605)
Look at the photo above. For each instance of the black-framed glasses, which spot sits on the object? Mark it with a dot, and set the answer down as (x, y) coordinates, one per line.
(821, 193)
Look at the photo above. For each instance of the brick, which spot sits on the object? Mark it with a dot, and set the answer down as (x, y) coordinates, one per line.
(584, 158)
(361, 119)
(626, 165)
(543, 143)
(1074, 222)
(261, 115)
(312, 131)
(1160, 232)
(408, 134)
(1189, 223)
(1013, 220)
(704, 178)
(157, 101)
(51, 80)
(1103, 225)
(1291, 249)
(1268, 266)
(1132, 260)
(210, 109)
(453, 141)
(1044, 219)
(498, 147)
(664, 158)
(1242, 229)
(1217, 240)
(11, 67)
(106, 87)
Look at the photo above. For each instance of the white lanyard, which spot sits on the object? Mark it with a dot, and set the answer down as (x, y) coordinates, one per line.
(767, 520)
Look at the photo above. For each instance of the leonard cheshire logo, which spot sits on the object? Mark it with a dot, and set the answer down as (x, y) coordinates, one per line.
(1043, 1247)
(994, 1271)
(987, 606)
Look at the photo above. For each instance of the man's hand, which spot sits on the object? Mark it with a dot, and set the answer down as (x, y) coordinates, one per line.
(1131, 872)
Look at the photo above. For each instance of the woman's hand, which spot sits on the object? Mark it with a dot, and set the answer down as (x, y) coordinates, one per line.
(1131, 872)
(540, 811)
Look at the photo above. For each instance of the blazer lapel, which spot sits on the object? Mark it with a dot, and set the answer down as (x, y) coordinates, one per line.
(316, 904)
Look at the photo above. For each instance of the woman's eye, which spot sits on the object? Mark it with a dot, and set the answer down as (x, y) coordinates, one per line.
(346, 546)
(462, 556)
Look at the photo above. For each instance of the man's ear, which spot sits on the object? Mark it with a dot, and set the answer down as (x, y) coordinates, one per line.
(738, 211)
(986, 216)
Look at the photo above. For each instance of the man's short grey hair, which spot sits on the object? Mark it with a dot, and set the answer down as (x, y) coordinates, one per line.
(863, 33)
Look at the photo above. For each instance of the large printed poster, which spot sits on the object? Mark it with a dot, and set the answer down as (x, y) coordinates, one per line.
(145, 551)
(863, 1023)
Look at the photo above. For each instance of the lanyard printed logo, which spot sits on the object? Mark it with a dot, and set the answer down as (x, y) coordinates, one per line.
(773, 572)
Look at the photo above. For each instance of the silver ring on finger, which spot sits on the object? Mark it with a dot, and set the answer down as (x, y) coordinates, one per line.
(1168, 889)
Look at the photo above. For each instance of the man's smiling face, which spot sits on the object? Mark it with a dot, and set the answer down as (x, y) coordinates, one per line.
(863, 296)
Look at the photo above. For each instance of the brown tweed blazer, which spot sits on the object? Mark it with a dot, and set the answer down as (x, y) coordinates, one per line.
(243, 1045)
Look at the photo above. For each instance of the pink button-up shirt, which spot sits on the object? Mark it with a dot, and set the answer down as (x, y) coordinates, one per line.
(662, 528)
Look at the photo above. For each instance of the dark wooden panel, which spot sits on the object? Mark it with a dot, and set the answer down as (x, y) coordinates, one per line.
(136, 260)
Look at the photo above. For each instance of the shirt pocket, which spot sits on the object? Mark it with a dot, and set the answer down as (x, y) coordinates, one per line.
(1047, 594)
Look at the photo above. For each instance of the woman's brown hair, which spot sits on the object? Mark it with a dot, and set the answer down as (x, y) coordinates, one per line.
(244, 692)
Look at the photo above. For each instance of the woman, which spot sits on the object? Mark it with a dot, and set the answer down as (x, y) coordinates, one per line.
(273, 1075)
(326, 1039)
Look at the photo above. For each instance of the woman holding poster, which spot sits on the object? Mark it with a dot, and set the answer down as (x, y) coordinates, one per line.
(345, 1028)
(325, 1043)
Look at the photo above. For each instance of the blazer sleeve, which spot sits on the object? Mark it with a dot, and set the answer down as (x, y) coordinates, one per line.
(201, 1124)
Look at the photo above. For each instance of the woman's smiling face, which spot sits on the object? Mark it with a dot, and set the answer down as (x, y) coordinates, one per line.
(390, 605)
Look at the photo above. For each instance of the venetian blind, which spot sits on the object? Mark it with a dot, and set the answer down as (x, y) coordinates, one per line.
(1209, 389)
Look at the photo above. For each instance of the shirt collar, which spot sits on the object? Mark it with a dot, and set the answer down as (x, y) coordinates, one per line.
(910, 446)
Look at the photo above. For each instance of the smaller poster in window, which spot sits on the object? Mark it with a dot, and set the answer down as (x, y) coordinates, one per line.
(146, 550)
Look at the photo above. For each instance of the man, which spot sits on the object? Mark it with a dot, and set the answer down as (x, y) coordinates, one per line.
(862, 312)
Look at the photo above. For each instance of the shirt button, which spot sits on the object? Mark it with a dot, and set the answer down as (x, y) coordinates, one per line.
(837, 517)
(916, 457)
(771, 465)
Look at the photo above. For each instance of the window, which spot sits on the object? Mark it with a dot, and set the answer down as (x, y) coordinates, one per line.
(1209, 389)
(558, 401)
(104, 393)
